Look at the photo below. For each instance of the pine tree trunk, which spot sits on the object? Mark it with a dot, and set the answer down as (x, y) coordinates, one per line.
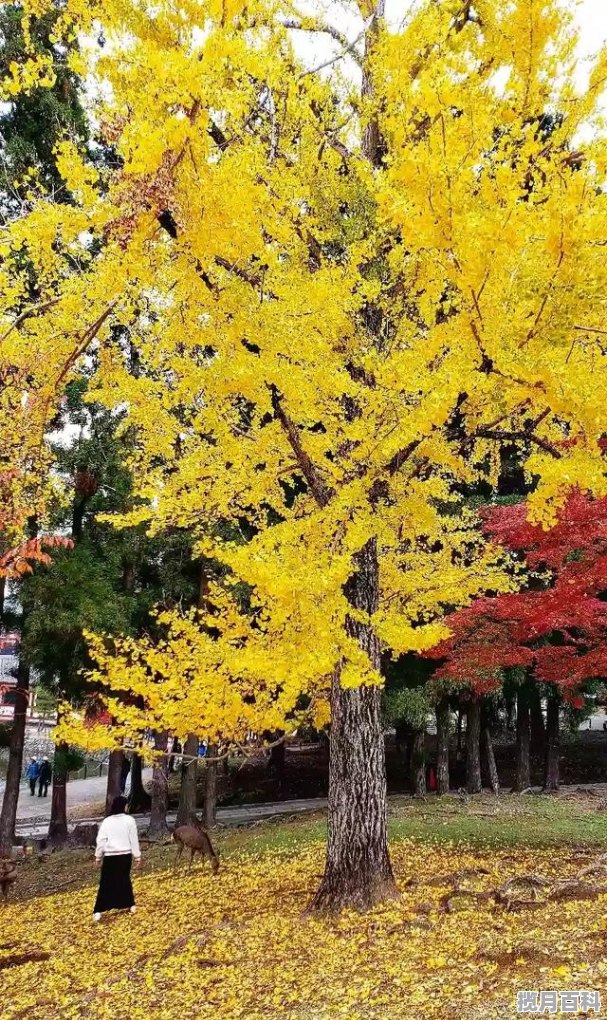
(8, 815)
(358, 872)
(490, 765)
(57, 830)
(418, 764)
(210, 789)
(114, 777)
(442, 746)
(523, 769)
(551, 771)
(189, 774)
(158, 827)
(473, 750)
(536, 718)
(139, 798)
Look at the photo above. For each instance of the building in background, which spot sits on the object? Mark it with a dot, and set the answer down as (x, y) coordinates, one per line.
(40, 709)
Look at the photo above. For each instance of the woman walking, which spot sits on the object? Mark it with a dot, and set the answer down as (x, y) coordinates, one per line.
(117, 846)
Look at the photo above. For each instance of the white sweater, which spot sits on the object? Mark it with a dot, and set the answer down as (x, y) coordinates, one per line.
(117, 835)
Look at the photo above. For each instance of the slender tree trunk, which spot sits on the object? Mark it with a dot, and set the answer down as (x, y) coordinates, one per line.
(536, 719)
(551, 772)
(523, 770)
(210, 789)
(473, 750)
(189, 774)
(459, 745)
(491, 767)
(158, 827)
(8, 815)
(358, 872)
(418, 764)
(442, 746)
(114, 777)
(139, 799)
(277, 768)
(57, 830)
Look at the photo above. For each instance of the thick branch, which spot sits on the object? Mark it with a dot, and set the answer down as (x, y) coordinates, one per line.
(513, 436)
(321, 492)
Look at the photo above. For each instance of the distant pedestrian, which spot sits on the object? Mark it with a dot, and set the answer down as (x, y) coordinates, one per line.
(125, 768)
(32, 773)
(44, 777)
(117, 847)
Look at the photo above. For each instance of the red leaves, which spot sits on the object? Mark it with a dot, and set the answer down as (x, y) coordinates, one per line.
(19, 561)
(560, 630)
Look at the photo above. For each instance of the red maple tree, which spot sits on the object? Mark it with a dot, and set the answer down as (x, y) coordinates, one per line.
(557, 627)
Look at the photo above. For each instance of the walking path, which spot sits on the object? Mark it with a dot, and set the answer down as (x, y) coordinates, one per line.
(33, 813)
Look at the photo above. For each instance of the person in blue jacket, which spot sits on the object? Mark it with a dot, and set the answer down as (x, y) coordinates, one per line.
(32, 773)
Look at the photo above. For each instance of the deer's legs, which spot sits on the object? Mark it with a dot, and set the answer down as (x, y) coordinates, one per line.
(178, 855)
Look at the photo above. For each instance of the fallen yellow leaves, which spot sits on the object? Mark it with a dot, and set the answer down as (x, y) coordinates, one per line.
(237, 946)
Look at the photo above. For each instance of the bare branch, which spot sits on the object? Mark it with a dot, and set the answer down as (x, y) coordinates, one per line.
(322, 28)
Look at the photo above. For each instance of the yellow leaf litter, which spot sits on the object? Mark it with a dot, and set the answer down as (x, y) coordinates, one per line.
(238, 947)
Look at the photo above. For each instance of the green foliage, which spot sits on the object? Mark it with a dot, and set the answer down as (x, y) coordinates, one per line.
(32, 124)
(411, 705)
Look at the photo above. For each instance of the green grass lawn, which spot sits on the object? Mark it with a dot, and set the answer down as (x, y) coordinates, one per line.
(567, 820)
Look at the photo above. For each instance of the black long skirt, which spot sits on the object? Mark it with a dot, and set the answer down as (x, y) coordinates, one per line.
(115, 886)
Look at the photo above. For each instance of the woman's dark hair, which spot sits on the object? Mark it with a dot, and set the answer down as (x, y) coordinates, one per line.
(118, 806)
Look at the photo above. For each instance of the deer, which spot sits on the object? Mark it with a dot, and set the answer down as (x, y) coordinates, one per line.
(8, 875)
(196, 839)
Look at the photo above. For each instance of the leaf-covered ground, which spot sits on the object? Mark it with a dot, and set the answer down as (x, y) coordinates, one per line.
(236, 946)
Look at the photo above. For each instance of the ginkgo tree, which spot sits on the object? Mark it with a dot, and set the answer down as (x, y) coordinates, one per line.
(348, 281)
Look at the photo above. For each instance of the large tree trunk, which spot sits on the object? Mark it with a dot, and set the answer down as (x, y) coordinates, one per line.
(551, 771)
(210, 789)
(57, 830)
(523, 770)
(139, 798)
(442, 746)
(8, 815)
(114, 778)
(418, 764)
(536, 719)
(158, 827)
(358, 872)
(189, 774)
(473, 748)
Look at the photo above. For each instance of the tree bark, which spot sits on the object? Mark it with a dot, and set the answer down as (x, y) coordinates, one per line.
(523, 770)
(210, 789)
(473, 750)
(186, 809)
(551, 770)
(277, 768)
(491, 767)
(139, 799)
(459, 732)
(8, 815)
(418, 764)
(114, 777)
(442, 746)
(57, 830)
(158, 827)
(536, 718)
(358, 872)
